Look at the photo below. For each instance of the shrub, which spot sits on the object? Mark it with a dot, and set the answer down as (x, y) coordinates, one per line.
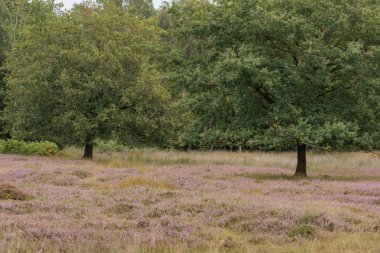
(8, 191)
(2, 144)
(109, 145)
(45, 148)
(28, 148)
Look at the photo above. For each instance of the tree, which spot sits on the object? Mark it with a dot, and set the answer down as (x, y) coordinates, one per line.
(138, 8)
(206, 111)
(300, 73)
(87, 74)
(14, 14)
(3, 50)
(5, 44)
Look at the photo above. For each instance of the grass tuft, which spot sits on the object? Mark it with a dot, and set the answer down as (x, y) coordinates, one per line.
(82, 174)
(305, 231)
(8, 191)
(121, 208)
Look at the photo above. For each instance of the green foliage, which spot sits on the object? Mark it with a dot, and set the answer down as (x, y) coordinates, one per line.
(287, 71)
(15, 15)
(226, 74)
(44, 148)
(109, 145)
(142, 8)
(138, 8)
(87, 74)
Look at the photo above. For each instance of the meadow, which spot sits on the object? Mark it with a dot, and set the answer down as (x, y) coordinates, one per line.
(171, 201)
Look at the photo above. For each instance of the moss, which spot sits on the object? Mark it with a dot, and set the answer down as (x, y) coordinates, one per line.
(8, 191)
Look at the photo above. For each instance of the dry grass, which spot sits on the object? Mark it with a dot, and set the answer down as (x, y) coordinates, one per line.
(342, 243)
(147, 182)
(319, 164)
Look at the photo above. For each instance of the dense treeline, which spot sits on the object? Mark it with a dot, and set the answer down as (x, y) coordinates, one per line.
(226, 74)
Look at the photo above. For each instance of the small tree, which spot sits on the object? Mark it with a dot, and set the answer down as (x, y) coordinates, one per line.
(84, 75)
(301, 73)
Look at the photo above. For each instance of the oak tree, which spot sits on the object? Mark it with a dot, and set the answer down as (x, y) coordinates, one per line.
(298, 73)
(87, 74)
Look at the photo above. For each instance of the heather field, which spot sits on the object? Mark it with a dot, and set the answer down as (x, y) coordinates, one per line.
(168, 201)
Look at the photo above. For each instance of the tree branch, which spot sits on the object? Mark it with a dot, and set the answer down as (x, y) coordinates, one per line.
(262, 93)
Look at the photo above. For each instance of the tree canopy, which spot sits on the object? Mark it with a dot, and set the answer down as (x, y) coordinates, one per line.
(290, 73)
(86, 74)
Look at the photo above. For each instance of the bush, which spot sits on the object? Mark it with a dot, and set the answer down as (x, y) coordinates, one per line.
(45, 148)
(109, 145)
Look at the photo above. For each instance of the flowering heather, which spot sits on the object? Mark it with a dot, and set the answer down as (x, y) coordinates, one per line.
(226, 205)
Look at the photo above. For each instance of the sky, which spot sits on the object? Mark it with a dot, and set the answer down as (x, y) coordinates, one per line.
(68, 3)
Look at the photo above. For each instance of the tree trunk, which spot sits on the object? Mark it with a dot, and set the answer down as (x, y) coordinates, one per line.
(88, 151)
(301, 161)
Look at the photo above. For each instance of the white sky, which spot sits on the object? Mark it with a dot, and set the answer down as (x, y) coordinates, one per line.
(68, 3)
